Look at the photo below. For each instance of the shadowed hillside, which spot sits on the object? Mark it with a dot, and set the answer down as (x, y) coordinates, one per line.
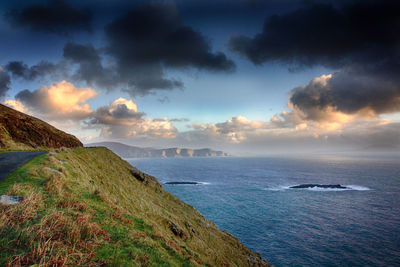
(19, 131)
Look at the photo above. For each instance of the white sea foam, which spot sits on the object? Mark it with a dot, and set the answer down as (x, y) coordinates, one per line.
(358, 187)
(277, 188)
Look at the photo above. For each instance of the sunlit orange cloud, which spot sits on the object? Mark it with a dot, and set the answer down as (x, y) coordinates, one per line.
(67, 100)
(59, 101)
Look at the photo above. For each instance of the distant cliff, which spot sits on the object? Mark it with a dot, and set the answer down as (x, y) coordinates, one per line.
(127, 151)
(19, 131)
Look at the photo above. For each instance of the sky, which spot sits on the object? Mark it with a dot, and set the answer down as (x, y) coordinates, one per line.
(249, 77)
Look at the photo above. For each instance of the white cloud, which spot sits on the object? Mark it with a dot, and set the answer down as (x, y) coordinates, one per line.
(119, 112)
(121, 119)
(234, 130)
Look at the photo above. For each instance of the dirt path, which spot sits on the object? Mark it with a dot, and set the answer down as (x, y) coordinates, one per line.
(12, 160)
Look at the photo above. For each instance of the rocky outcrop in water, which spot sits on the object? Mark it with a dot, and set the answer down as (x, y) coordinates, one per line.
(181, 183)
(326, 186)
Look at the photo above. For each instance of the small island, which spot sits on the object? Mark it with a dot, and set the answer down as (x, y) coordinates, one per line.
(182, 183)
(326, 186)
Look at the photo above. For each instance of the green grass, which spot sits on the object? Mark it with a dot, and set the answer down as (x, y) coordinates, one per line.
(83, 207)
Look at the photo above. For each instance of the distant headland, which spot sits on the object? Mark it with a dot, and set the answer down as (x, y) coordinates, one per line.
(127, 151)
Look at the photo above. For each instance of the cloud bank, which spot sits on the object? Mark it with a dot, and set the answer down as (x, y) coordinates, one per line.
(56, 17)
(140, 47)
(322, 34)
(19, 69)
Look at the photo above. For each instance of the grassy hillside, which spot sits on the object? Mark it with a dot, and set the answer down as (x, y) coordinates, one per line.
(86, 206)
(19, 131)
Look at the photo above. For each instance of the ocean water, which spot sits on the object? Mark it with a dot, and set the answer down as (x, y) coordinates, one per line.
(251, 198)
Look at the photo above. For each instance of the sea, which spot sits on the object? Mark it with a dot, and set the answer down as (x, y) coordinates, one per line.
(252, 199)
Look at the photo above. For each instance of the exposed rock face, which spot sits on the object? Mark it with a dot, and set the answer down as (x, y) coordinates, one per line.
(126, 151)
(330, 186)
(176, 229)
(145, 178)
(19, 128)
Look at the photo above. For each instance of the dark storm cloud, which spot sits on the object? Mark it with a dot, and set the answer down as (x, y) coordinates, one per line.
(81, 53)
(351, 90)
(90, 68)
(140, 79)
(155, 34)
(20, 70)
(143, 79)
(322, 34)
(31, 99)
(4, 83)
(57, 16)
(152, 37)
(360, 39)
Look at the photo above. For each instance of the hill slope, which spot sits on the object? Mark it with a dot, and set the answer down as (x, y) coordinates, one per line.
(127, 151)
(19, 131)
(87, 206)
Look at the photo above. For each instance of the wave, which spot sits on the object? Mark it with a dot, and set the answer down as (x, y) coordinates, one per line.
(348, 188)
(277, 188)
(358, 187)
